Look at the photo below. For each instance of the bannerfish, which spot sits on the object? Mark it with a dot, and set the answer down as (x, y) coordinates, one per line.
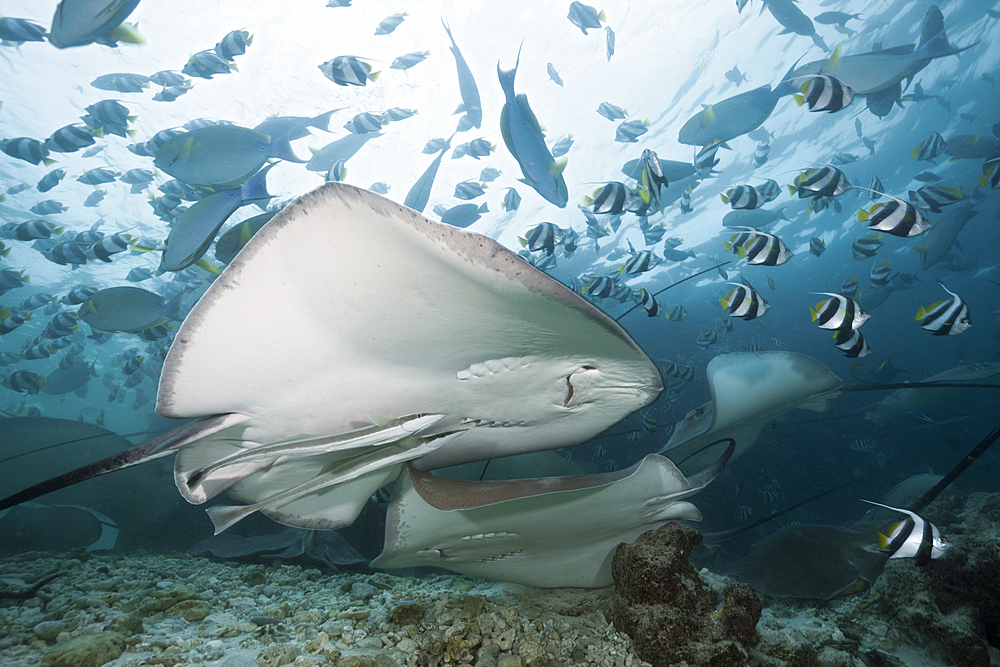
(916, 537)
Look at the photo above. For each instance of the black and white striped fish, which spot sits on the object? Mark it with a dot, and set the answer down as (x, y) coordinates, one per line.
(600, 287)
(817, 246)
(929, 148)
(762, 151)
(742, 197)
(820, 182)
(610, 199)
(704, 159)
(874, 188)
(896, 217)
(866, 246)
(648, 302)
(933, 197)
(946, 318)
(916, 537)
(880, 274)
(838, 312)
(744, 302)
(652, 182)
(543, 236)
(824, 93)
(852, 343)
(764, 250)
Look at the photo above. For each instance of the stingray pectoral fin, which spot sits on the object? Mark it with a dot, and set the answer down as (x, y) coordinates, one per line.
(320, 472)
(749, 389)
(204, 469)
(155, 448)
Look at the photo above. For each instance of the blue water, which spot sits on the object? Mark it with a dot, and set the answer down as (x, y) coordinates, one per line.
(667, 64)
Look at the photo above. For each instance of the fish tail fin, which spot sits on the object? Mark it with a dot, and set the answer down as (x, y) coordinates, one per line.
(373, 76)
(799, 99)
(914, 153)
(863, 215)
(922, 313)
(282, 149)
(256, 187)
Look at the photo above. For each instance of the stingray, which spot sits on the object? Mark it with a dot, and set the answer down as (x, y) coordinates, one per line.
(402, 339)
(749, 389)
(326, 546)
(549, 532)
(905, 401)
(812, 561)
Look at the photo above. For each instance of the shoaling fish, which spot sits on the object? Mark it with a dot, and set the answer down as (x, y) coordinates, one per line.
(794, 20)
(744, 302)
(868, 73)
(944, 234)
(420, 192)
(838, 313)
(538, 366)
(895, 217)
(471, 105)
(946, 318)
(526, 142)
(194, 230)
(220, 155)
(88, 21)
(129, 309)
(735, 115)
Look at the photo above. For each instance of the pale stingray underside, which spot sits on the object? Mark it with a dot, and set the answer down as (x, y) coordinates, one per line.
(749, 389)
(548, 532)
(352, 335)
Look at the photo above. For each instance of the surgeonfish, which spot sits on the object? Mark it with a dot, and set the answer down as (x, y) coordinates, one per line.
(611, 111)
(88, 21)
(408, 60)
(194, 230)
(585, 17)
(915, 537)
(525, 141)
(420, 192)
(553, 74)
(868, 73)
(734, 116)
(129, 309)
(390, 23)
(220, 155)
(945, 318)
(471, 104)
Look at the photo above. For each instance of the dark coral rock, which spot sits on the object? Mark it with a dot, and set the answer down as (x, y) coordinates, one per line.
(954, 601)
(671, 615)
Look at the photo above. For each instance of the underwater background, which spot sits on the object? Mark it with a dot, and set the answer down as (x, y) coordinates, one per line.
(660, 64)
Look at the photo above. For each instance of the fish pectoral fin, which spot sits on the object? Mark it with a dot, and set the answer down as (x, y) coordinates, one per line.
(557, 167)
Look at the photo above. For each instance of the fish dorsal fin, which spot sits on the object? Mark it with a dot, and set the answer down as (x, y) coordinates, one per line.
(833, 62)
(708, 117)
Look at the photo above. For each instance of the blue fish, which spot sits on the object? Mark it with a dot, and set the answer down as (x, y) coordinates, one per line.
(525, 141)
